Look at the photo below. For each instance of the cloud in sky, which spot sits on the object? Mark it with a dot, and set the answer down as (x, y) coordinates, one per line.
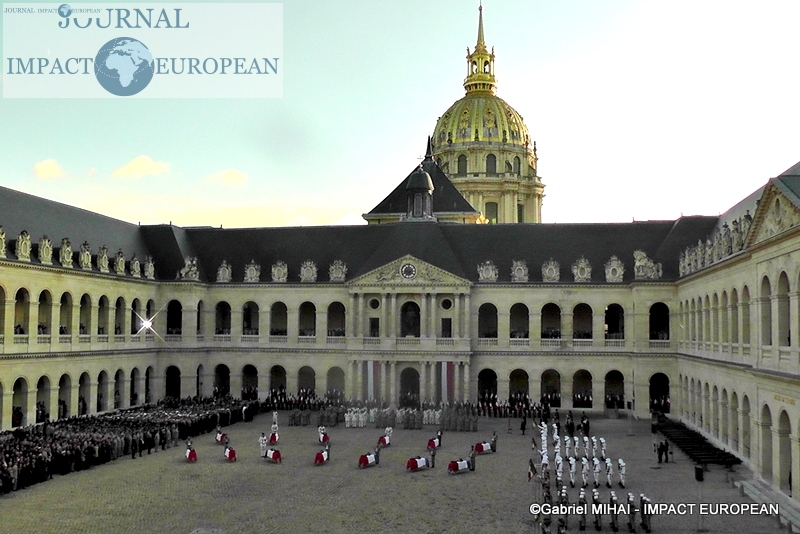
(228, 176)
(141, 166)
(48, 169)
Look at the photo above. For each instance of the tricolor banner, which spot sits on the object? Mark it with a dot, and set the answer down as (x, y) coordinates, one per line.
(448, 371)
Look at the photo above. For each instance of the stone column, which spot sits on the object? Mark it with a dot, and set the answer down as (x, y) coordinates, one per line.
(188, 323)
(349, 318)
(264, 324)
(189, 385)
(386, 330)
(503, 328)
(235, 380)
(30, 409)
(466, 384)
(358, 316)
(423, 376)
(774, 303)
(780, 479)
(470, 323)
(91, 396)
(8, 327)
(321, 326)
(384, 389)
(432, 382)
(433, 324)
(76, 322)
(33, 322)
(724, 429)
(359, 380)
(349, 389)
(599, 331)
(795, 445)
(502, 388)
(53, 400)
(8, 404)
(393, 331)
(292, 325)
(457, 315)
(94, 316)
(535, 329)
(393, 388)
(794, 302)
(423, 315)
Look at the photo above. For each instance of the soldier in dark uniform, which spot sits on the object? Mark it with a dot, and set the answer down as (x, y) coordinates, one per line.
(472, 458)
(494, 441)
(433, 457)
(583, 504)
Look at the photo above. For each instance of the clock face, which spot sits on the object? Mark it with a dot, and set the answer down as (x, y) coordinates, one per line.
(408, 271)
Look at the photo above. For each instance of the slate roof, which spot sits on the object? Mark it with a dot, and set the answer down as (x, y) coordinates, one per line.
(446, 198)
(456, 248)
(21, 211)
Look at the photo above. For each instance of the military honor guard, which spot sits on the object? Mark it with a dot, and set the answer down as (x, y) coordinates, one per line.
(596, 468)
(559, 471)
(436, 442)
(572, 468)
(602, 449)
(494, 441)
(531, 469)
(584, 472)
(613, 510)
(273, 436)
(598, 517)
(631, 513)
(263, 441)
(583, 505)
(621, 468)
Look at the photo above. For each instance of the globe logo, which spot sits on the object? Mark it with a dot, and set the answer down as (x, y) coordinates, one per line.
(123, 66)
(64, 10)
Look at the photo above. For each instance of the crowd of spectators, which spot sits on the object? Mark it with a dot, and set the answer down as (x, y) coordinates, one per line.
(33, 454)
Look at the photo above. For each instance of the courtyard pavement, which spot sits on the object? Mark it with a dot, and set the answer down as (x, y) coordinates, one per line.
(162, 493)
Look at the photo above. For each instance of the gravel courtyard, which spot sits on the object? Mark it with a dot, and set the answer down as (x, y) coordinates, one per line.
(162, 493)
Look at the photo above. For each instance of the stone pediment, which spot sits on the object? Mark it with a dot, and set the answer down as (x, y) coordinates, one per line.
(776, 213)
(409, 271)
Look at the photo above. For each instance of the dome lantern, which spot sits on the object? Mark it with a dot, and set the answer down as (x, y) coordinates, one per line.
(480, 65)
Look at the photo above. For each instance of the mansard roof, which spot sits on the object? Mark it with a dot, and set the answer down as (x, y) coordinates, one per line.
(446, 198)
(39, 216)
(456, 248)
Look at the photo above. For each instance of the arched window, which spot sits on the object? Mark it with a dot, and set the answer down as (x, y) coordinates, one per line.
(516, 165)
(462, 165)
(491, 165)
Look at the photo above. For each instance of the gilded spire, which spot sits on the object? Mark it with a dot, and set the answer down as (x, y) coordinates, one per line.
(480, 64)
(481, 43)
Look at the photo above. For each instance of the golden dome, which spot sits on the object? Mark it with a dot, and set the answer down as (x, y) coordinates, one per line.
(480, 116)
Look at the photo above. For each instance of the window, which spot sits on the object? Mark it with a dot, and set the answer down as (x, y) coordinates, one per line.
(374, 327)
(520, 213)
(447, 327)
(491, 212)
(491, 164)
(462, 165)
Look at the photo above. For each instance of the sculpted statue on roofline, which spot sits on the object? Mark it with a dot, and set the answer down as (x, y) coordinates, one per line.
(337, 271)
(614, 269)
(252, 272)
(102, 259)
(519, 271)
(85, 256)
(582, 270)
(136, 267)
(23, 248)
(150, 268)
(551, 271)
(308, 271)
(45, 251)
(644, 268)
(65, 254)
(487, 272)
(280, 272)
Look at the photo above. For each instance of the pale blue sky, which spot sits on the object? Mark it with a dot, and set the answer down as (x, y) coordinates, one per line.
(640, 110)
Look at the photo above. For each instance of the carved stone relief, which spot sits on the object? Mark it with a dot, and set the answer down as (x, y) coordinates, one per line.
(46, 250)
(487, 272)
(85, 256)
(280, 272)
(614, 269)
(644, 268)
(308, 271)
(102, 259)
(337, 271)
(189, 270)
(551, 271)
(519, 271)
(119, 263)
(224, 273)
(2, 243)
(582, 270)
(23, 247)
(252, 272)
(136, 267)
(149, 268)
(65, 254)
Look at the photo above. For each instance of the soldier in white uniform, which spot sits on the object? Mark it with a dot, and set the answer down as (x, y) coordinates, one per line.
(559, 471)
(613, 512)
(594, 447)
(598, 518)
(585, 471)
(602, 449)
(572, 468)
(596, 470)
(585, 447)
(621, 471)
(567, 446)
(262, 444)
(609, 472)
(631, 513)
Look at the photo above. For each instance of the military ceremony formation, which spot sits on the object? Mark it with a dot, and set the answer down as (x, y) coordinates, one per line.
(626, 365)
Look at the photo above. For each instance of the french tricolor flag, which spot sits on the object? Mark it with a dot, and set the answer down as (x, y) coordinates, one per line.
(448, 381)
